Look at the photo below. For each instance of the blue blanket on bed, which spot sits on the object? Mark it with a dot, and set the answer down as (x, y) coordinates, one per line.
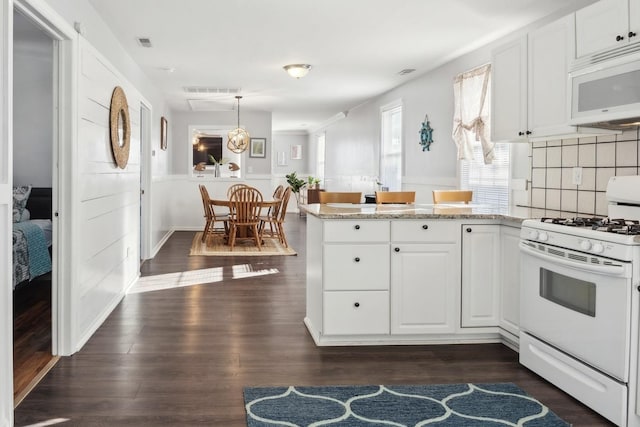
(39, 259)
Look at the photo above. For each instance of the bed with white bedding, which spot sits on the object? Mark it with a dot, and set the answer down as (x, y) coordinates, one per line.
(32, 234)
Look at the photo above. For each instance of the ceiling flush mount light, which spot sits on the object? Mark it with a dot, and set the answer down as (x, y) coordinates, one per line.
(238, 138)
(297, 70)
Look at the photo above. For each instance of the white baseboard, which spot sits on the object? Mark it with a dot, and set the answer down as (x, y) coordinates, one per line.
(161, 243)
(100, 320)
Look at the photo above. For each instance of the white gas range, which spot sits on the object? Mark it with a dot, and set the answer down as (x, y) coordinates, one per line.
(579, 303)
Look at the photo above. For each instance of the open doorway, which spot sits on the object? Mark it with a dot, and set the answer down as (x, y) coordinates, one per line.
(33, 179)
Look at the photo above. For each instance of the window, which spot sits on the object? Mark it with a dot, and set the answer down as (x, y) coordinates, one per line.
(489, 183)
(391, 147)
(484, 166)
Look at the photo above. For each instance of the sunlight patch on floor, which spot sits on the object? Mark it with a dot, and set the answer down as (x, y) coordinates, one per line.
(195, 277)
(50, 422)
(177, 280)
(242, 271)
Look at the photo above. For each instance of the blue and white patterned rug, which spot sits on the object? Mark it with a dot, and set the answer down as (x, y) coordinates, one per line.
(453, 405)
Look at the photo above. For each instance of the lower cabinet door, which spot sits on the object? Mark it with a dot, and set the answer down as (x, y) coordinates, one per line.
(425, 283)
(356, 312)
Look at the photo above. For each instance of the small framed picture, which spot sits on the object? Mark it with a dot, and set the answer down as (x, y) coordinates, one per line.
(258, 147)
(296, 152)
(163, 133)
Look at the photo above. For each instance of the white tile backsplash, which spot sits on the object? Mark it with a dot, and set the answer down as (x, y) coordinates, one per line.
(588, 179)
(627, 153)
(552, 164)
(587, 155)
(553, 178)
(554, 157)
(605, 155)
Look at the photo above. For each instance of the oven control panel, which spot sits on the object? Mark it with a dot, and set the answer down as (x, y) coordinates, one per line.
(577, 239)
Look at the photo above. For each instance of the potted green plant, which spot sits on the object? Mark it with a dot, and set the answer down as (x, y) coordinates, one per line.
(313, 182)
(296, 184)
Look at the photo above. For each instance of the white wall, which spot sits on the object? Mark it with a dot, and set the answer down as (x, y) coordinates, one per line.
(282, 143)
(99, 35)
(352, 144)
(108, 204)
(32, 104)
(257, 123)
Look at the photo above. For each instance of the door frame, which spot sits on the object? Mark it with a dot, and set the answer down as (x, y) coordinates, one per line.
(146, 118)
(65, 137)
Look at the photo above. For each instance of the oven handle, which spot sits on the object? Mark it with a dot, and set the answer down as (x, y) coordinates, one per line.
(609, 270)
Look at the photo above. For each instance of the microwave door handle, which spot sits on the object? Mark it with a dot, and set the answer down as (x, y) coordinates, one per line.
(609, 270)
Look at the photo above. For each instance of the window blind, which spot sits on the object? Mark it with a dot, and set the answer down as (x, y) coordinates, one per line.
(489, 183)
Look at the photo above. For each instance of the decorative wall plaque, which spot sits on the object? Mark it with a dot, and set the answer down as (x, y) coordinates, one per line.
(119, 127)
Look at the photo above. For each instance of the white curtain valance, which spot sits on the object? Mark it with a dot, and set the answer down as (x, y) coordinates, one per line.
(472, 95)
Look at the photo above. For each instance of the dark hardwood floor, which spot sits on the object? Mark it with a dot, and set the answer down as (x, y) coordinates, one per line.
(181, 357)
(31, 333)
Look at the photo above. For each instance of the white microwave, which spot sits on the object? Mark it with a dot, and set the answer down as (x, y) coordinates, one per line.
(607, 94)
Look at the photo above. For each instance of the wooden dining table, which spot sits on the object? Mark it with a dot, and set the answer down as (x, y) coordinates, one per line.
(264, 204)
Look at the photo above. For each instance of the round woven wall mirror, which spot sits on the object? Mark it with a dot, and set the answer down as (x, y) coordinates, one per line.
(119, 127)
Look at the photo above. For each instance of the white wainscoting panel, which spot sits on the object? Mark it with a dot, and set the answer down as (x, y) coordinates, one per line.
(108, 204)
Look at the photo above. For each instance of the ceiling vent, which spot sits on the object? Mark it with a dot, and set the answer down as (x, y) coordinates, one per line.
(144, 41)
(406, 71)
(211, 90)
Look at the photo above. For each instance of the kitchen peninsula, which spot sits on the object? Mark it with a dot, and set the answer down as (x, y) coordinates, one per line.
(413, 274)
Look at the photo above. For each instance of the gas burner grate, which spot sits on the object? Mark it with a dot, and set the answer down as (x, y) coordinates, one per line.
(619, 226)
(574, 222)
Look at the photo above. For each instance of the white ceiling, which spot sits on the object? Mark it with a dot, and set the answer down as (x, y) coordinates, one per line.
(356, 47)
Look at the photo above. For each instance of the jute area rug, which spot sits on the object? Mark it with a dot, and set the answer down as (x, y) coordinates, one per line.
(215, 246)
(451, 405)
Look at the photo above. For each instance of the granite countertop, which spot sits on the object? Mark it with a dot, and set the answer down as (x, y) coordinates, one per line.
(424, 211)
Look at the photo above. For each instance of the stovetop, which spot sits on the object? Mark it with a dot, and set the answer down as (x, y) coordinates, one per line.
(608, 237)
(629, 227)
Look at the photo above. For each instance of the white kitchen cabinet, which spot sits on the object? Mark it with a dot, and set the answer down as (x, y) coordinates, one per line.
(530, 97)
(480, 275)
(356, 312)
(607, 24)
(510, 280)
(550, 50)
(425, 276)
(509, 92)
(424, 288)
(355, 277)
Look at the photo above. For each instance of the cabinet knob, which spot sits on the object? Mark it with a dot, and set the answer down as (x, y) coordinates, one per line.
(425, 227)
(631, 34)
(397, 249)
(528, 132)
(520, 133)
(357, 227)
(357, 304)
(619, 38)
(468, 229)
(357, 259)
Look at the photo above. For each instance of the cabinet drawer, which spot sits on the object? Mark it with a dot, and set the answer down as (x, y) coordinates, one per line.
(428, 231)
(356, 231)
(356, 313)
(356, 267)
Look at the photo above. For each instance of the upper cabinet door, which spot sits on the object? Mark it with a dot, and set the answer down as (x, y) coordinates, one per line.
(550, 49)
(509, 92)
(603, 25)
(634, 21)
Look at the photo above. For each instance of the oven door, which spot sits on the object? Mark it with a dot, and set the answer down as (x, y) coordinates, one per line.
(578, 303)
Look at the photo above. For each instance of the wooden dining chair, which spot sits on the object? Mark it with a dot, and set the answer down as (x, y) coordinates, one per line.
(445, 196)
(211, 217)
(339, 197)
(245, 204)
(233, 188)
(275, 219)
(395, 197)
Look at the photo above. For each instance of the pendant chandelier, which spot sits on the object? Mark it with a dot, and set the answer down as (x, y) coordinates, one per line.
(238, 138)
